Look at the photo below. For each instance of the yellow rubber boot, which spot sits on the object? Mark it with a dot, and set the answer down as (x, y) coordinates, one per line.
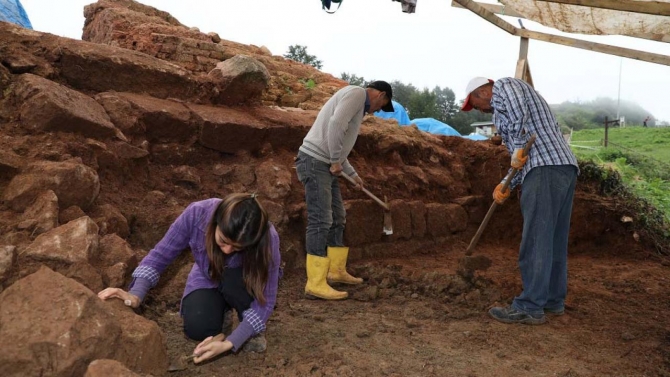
(317, 269)
(338, 266)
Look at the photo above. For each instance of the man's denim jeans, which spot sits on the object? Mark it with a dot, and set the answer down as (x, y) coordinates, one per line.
(325, 209)
(546, 206)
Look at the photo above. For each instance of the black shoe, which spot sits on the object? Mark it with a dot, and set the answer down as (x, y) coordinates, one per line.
(554, 311)
(511, 315)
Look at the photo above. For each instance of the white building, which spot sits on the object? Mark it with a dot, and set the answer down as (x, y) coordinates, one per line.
(487, 129)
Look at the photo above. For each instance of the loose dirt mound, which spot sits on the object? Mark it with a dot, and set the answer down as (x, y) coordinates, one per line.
(104, 143)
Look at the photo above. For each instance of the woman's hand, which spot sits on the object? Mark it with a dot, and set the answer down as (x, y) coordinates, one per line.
(208, 349)
(128, 299)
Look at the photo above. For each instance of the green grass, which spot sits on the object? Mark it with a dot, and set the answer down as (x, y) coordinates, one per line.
(640, 156)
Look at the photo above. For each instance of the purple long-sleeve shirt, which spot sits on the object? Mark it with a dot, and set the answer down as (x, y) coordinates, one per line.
(188, 231)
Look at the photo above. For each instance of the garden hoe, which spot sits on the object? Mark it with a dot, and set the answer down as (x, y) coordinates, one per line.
(181, 362)
(388, 223)
(469, 264)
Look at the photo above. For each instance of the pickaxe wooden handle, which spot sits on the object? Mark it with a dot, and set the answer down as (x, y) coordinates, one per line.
(508, 180)
(371, 195)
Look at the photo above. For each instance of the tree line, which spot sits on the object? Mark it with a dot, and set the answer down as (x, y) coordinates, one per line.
(440, 103)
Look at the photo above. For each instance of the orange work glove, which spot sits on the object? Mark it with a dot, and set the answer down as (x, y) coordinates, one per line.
(500, 196)
(518, 159)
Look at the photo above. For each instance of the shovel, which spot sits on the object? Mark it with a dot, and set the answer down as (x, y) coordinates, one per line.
(469, 264)
(388, 224)
(182, 362)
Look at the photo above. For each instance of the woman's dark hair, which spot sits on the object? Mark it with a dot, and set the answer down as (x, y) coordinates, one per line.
(242, 221)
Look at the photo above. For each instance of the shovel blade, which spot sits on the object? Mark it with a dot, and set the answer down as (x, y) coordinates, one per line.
(388, 222)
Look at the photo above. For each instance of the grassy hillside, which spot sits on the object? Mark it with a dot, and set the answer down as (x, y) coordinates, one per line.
(641, 156)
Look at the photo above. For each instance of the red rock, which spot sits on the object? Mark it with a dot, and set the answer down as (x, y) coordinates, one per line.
(110, 220)
(229, 130)
(115, 276)
(114, 249)
(7, 260)
(84, 274)
(10, 163)
(72, 182)
(364, 222)
(61, 109)
(74, 242)
(437, 220)
(69, 214)
(239, 80)
(107, 368)
(401, 215)
(57, 326)
(44, 211)
(274, 180)
(418, 213)
(457, 218)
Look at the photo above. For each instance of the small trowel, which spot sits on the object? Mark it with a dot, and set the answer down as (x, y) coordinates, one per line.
(181, 363)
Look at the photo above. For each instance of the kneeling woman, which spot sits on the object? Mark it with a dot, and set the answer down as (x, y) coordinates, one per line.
(236, 252)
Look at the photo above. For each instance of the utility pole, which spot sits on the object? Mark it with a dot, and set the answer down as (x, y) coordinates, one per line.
(606, 124)
(618, 101)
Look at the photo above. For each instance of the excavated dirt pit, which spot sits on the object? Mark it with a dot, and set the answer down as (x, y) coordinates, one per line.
(416, 316)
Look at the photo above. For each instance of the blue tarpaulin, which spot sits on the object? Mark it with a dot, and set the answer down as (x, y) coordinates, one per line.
(435, 127)
(430, 125)
(12, 11)
(399, 114)
(475, 136)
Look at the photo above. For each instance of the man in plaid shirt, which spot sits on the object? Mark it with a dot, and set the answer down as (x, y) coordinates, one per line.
(548, 174)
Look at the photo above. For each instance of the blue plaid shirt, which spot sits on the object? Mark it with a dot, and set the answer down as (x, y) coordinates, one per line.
(518, 112)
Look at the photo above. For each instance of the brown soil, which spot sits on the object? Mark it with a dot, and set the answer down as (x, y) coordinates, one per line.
(408, 319)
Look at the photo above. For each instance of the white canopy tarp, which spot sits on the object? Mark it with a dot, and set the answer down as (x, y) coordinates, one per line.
(586, 20)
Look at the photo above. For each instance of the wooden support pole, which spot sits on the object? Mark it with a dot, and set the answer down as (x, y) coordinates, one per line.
(502, 10)
(487, 15)
(597, 47)
(657, 8)
(606, 127)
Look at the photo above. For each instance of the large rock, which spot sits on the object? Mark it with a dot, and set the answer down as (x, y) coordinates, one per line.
(124, 71)
(10, 163)
(158, 119)
(114, 249)
(457, 218)
(107, 368)
(241, 79)
(74, 242)
(72, 182)
(43, 212)
(418, 213)
(84, 274)
(7, 260)
(110, 220)
(60, 109)
(229, 130)
(437, 220)
(276, 179)
(364, 222)
(56, 327)
(401, 215)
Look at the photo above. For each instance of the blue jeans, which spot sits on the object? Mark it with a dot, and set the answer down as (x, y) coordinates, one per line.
(546, 206)
(326, 216)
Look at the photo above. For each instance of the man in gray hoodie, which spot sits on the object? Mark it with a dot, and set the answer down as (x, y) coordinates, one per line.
(321, 159)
